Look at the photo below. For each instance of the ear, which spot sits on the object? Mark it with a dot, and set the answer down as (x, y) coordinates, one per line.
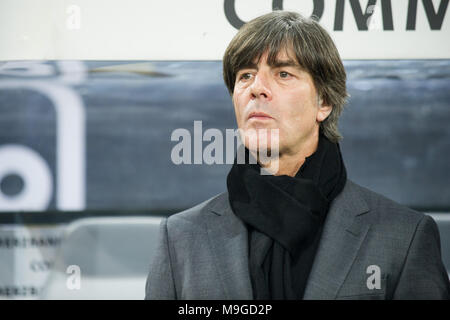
(324, 111)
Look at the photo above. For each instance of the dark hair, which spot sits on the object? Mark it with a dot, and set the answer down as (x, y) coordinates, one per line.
(314, 50)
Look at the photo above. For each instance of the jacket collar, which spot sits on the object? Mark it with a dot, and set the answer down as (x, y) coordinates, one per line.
(229, 241)
(345, 228)
(344, 231)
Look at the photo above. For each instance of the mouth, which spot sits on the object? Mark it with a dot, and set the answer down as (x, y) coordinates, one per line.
(257, 115)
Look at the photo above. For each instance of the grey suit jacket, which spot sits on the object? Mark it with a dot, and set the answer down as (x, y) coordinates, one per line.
(371, 248)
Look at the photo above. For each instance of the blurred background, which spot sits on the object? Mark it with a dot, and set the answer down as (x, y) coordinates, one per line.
(85, 136)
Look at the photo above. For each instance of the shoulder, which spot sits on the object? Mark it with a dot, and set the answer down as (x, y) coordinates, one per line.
(387, 212)
(197, 214)
(402, 242)
(187, 231)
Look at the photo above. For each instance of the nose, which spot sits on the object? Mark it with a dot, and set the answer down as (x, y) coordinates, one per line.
(260, 88)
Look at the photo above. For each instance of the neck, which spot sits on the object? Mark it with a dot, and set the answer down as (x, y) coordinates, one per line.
(289, 162)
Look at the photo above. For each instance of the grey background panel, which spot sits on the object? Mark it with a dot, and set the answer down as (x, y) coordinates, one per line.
(397, 137)
(395, 128)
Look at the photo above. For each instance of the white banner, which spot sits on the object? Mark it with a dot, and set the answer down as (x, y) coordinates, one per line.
(201, 29)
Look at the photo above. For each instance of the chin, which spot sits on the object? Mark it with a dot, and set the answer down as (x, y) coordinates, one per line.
(264, 141)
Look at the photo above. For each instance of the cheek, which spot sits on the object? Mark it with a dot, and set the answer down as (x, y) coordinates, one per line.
(299, 112)
(302, 102)
(237, 109)
(239, 105)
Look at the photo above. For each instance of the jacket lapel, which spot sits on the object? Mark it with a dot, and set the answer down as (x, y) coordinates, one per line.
(344, 231)
(229, 242)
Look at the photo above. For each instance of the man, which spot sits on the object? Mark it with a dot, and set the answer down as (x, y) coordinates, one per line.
(306, 231)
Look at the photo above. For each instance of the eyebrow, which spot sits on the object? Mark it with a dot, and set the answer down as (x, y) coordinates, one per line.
(275, 64)
(285, 63)
(250, 65)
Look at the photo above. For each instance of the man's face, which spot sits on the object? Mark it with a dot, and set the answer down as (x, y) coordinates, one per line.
(281, 96)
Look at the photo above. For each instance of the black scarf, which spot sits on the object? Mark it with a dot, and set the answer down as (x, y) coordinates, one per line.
(285, 216)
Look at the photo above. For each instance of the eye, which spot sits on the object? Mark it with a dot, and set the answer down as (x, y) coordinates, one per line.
(245, 76)
(284, 74)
